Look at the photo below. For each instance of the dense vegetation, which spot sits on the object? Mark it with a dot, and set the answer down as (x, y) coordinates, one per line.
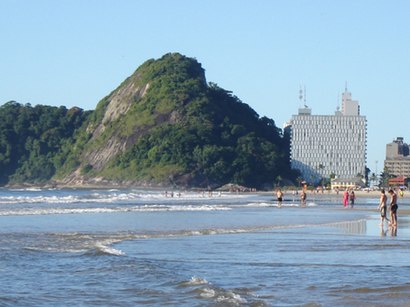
(180, 131)
(34, 140)
(220, 140)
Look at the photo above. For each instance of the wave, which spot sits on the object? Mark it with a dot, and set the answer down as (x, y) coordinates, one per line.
(208, 291)
(27, 189)
(284, 204)
(76, 243)
(143, 208)
(108, 250)
(385, 295)
(227, 231)
(31, 196)
(194, 281)
(95, 244)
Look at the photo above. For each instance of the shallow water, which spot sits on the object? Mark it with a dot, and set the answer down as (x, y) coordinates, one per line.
(136, 247)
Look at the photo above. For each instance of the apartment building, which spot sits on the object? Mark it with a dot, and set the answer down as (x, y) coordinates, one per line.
(325, 146)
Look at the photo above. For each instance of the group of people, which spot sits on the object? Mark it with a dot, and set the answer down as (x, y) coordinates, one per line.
(392, 208)
(348, 197)
(279, 197)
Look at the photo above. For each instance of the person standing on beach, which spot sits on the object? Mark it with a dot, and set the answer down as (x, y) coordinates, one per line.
(279, 196)
(393, 208)
(383, 206)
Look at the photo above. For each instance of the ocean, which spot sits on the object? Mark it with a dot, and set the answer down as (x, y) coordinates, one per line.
(132, 247)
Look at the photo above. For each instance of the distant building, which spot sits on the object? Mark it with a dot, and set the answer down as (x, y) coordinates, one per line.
(324, 146)
(397, 161)
(350, 183)
(397, 181)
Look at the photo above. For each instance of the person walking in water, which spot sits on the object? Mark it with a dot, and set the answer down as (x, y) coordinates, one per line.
(401, 192)
(279, 196)
(352, 198)
(346, 198)
(393, 208)
(383, 207)
(303, 198)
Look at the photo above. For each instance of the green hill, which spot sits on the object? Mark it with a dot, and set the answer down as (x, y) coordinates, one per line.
(34, 141)
(165, 125)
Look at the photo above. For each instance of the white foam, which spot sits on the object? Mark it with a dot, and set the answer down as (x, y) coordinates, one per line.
(27, 189)
(207, 293)
(218, 294)
(262, 204)
(284, 204)
(144, 208)
(230, 298)
(109, 250)
(106, 196)
(195, 281)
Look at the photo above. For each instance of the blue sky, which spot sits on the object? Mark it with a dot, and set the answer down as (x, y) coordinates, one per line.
(75, 52)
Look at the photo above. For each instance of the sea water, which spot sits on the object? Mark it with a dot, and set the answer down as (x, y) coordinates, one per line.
(131, 247)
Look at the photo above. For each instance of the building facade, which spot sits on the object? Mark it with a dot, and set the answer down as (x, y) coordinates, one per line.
(397, 161)
(325, 146)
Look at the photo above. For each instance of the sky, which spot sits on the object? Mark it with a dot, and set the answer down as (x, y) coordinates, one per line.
(75, 52)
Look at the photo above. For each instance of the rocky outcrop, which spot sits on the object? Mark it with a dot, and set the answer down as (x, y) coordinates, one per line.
(118, 104)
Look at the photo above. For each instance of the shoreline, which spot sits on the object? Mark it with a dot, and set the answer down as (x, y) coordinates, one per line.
(327, 193)
(361, 194)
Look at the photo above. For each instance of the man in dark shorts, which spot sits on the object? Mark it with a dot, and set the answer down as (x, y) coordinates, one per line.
(279, 195)
(303, 198)
(393, 208)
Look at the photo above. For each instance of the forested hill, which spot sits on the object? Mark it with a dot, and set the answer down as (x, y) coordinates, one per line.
(164, 125)
(34, 141)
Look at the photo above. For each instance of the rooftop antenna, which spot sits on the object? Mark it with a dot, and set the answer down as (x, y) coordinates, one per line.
(300, 94)
(337, 102)
(304, 99)
(345, 86)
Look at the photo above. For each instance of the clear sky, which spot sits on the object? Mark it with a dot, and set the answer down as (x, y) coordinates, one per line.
(75, 52)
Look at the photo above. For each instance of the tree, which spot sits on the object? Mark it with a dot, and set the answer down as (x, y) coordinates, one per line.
(278, 180)
(32, 137)
(373, 178)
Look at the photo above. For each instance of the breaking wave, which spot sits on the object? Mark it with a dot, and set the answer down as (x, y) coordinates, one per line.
(33, 196)
(207, 291)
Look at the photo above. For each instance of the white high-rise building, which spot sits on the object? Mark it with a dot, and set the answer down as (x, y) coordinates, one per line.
(349, 106)
(329, 145)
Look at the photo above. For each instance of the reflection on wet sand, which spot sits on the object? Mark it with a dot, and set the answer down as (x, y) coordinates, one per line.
(353, 227)
(365, 227)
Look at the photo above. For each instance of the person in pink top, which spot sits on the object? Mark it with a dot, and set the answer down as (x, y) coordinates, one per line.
(346, 198)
